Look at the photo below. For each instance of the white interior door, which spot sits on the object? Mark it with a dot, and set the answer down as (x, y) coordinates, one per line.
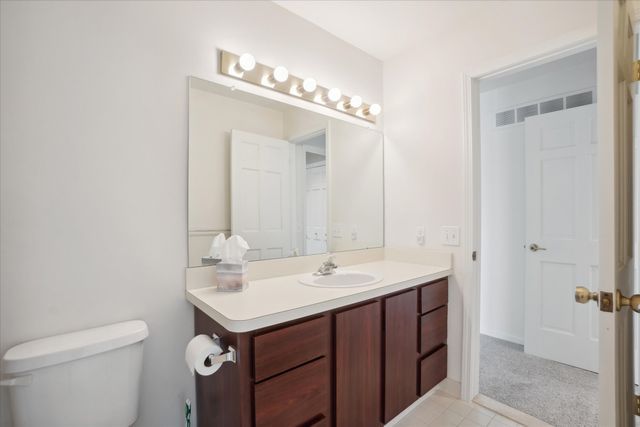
(615, 47)
(561, 218)
(316, 209)
(260, 194)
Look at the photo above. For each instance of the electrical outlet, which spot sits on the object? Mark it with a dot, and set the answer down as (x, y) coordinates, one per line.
(450, 235)
(354, 233)
(420, 235)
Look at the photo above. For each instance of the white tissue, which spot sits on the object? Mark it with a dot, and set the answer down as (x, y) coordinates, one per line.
(197, 353)
(216, 246)
(234, 249)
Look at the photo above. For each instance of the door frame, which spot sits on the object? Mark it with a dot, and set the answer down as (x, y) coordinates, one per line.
(556, 49)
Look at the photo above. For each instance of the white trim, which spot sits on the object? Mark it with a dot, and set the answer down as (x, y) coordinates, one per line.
(299, 139)
(208, 231)
(551, 51)
(503, 336)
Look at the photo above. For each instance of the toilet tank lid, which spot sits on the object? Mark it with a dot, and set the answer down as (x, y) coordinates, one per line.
(57, 349)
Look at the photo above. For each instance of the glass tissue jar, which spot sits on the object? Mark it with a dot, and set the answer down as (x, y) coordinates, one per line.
(232, 277)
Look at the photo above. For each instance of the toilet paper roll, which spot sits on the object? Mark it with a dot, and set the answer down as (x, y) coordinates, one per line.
(197, 353)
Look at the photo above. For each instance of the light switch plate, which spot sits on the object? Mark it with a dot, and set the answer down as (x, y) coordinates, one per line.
(420, 235)
(337, 231)
(450, 235)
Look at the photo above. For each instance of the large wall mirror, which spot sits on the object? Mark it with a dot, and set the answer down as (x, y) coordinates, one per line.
(290, 181)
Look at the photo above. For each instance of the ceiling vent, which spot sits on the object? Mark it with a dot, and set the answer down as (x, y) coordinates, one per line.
(579, 99)
(518, 115)
(528, 111)
(505, 118)
(551, 106)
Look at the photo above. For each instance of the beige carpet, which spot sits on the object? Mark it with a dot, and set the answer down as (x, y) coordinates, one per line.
(558, 394)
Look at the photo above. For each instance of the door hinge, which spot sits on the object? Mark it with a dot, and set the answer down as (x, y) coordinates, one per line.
(635, 72)
(636, 407)
(474, 256)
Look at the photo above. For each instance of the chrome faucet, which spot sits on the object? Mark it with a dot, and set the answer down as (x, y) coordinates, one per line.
(327, 267)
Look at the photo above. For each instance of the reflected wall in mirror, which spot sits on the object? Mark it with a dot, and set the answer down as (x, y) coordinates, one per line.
(289, 181)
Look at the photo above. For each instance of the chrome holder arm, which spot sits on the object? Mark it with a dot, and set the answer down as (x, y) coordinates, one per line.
(229, 356)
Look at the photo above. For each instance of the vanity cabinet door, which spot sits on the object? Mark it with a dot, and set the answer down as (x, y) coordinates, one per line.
(358, 340)
(401, 352)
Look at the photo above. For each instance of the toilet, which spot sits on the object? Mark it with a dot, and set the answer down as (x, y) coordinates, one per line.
(84, 378)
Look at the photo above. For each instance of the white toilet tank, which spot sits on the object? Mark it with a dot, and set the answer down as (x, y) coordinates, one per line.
(84, 378)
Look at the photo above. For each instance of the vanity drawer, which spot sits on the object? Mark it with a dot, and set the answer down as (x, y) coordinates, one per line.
(286, 348)
(434, 295)
(433, 329)
(433, 369)
(299, 397)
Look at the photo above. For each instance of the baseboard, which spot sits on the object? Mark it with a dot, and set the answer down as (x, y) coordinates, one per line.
(502, 336)
(451, 387)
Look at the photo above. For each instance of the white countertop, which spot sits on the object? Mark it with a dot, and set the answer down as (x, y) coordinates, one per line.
(281, 299)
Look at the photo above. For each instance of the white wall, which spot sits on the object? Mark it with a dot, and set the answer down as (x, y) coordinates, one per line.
(503, 185)
(503, 234)
(356, 171)
(423, 122)
(94, 162)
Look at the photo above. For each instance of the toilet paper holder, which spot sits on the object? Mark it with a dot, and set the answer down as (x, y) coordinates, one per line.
(229, 356)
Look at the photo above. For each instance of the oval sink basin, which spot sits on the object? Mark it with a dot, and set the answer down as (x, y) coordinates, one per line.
(341, 279)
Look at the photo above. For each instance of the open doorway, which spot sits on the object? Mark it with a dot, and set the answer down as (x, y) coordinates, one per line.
(538, 351)
(311, 187)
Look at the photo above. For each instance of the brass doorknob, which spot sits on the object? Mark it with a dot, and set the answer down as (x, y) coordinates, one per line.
(633, 301)
(584, 295)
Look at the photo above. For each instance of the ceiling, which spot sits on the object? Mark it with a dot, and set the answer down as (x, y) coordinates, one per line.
(385, 29)
(586, 59)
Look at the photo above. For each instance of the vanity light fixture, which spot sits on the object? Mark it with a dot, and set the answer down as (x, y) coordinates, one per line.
(309, 85)
(247, 62)
(374, 110)
(354, 102)
(334, 94)
(245, 67)
(280, 74)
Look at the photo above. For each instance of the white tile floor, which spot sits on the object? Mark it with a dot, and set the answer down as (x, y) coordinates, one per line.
(443, 410)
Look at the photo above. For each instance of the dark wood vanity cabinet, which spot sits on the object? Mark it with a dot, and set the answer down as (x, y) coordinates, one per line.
(433, 335)
(401, 352)
(358, 365)
(358, 340)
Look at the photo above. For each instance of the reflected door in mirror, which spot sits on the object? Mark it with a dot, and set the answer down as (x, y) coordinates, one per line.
(260, 194)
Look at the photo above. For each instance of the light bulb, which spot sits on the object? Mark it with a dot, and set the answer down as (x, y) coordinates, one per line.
(354, 102)
(309, 84)
(280, 74)
(374, 109)
(247, 62)
(334, 94)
